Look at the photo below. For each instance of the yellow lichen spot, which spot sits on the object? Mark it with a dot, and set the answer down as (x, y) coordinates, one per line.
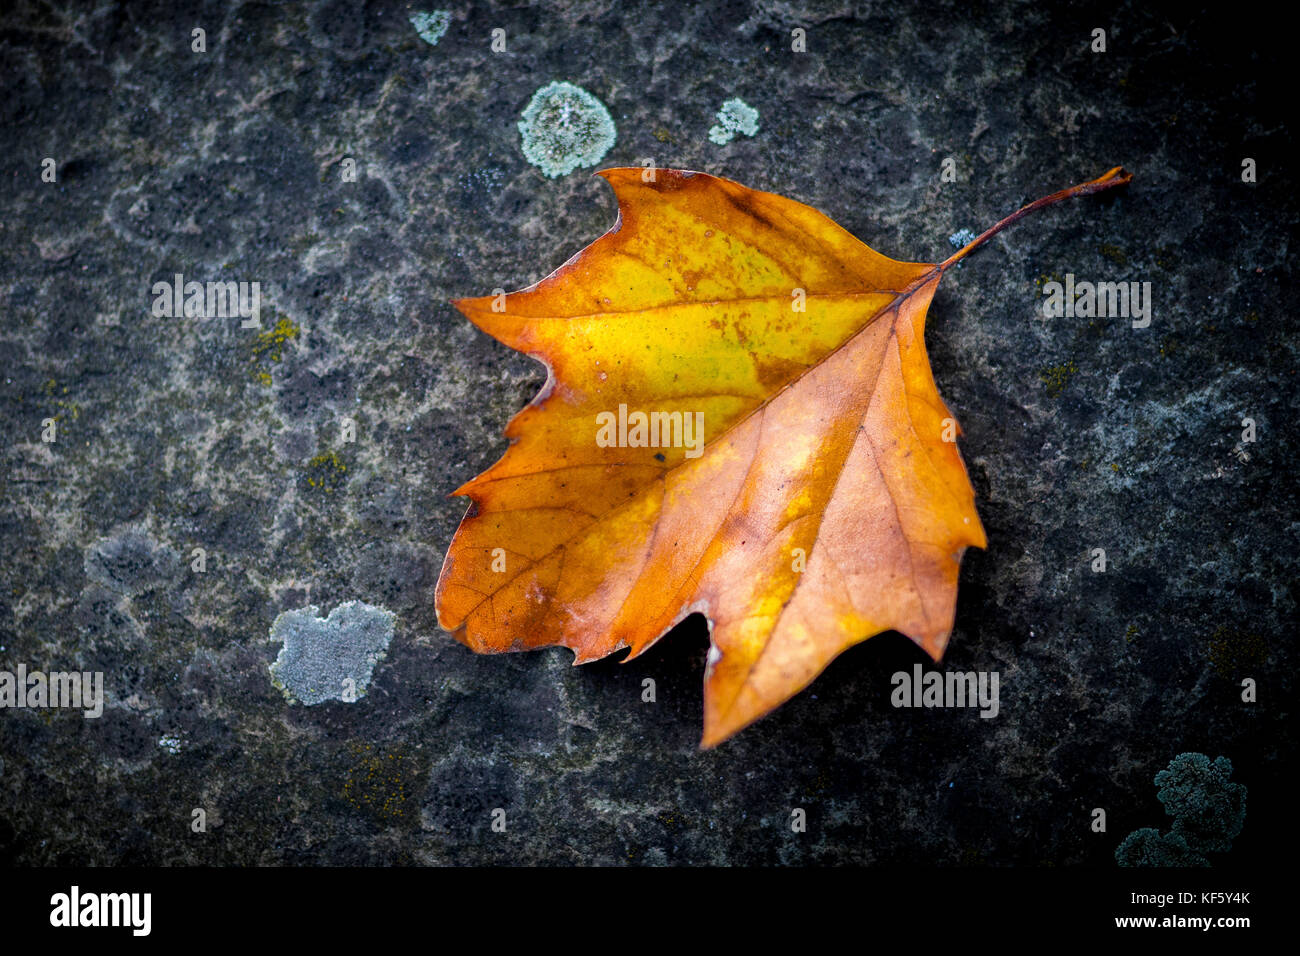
(1114, 253)
(376, 783)
(66, 409)
(1057, 377)
(326, 472)
(269, 347)
(1233, 650)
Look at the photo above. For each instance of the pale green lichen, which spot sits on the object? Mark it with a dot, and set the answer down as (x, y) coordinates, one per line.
(329, 658)
(431, 26)
(736, 116)
(564, 127)
(1209, 811)
(962, 237)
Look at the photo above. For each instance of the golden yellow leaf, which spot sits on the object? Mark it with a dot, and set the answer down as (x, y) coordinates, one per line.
(797, 478)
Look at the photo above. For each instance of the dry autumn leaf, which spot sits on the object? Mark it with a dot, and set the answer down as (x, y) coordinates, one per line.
(739, 420)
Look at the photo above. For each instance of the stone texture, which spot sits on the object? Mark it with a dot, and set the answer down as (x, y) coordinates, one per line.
(176, 434)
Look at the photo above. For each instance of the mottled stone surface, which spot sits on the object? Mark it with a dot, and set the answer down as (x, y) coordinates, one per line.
(177, 434)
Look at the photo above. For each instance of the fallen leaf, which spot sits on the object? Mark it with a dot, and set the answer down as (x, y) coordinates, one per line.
(827, 501)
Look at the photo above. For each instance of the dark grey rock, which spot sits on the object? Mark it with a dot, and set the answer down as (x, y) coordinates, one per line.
(178, 434)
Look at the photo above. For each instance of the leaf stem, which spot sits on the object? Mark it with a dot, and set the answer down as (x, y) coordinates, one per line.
(1116, 177)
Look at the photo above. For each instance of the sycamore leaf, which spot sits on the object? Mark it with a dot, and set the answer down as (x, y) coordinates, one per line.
(739, 420)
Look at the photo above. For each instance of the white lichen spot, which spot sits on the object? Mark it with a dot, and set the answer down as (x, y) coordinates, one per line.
(170, 743)
(432, 25)
(564, 127)
(962, 237)
(329, 658)
(736, 116)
